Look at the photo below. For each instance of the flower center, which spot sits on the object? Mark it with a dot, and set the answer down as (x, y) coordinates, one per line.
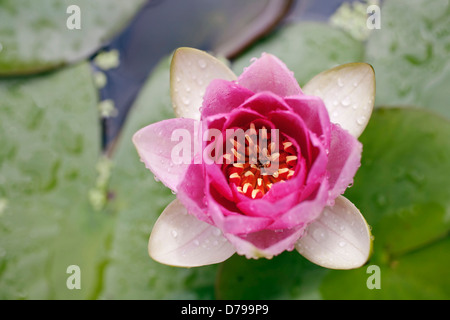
(255, 163)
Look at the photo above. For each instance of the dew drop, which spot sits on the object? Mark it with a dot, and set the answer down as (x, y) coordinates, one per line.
(253, 59)
(174, 233)
(202, 63)
(361, 120)
(178, 79)
(318, 235)
(217, 232)
(355, 84)
(186, 101)
(340, 82)
(196, 243)
(346, 102)
(342, 244)
(156, 178)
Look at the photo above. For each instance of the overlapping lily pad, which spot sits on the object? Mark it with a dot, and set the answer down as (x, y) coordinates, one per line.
(34, 35)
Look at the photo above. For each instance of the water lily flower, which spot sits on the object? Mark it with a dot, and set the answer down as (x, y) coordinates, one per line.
(280, 187)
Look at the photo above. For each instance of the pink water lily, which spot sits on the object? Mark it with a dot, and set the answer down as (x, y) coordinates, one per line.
(289, 198)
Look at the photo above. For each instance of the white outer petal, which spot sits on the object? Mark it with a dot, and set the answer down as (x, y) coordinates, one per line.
(348, 92)
(191, 71)
(179, 239)
(339, 239)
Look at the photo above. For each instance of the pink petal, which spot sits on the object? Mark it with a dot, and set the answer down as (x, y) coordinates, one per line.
(223, 96)
(265, 243)
(294, 127)
(268, 73)
(191, 192)
(314, 113)
(218, 180)
(306, 211)
(265, 102)
(233, 222)
(265, 208)
(154, 145)
(344, 160)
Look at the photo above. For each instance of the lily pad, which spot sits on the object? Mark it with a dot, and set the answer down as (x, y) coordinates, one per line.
(402, 190)
(307, 49)
(39, 35)
(411, 59)
(287, 276)
(50, 146)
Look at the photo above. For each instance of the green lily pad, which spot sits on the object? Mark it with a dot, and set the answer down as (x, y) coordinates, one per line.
(138, 201)
(411, 59)
(403, 192)
(306, 48)
(287, 276)
(39, 35)
(50, 145)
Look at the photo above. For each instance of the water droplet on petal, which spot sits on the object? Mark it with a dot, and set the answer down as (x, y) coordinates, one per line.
(342, 244)
(319, 235)
(361, 120)
(186, 101)
(174, 233)
(217, 232)
(202, 63)
(196, 243)
(346, 102)
(340, 82)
